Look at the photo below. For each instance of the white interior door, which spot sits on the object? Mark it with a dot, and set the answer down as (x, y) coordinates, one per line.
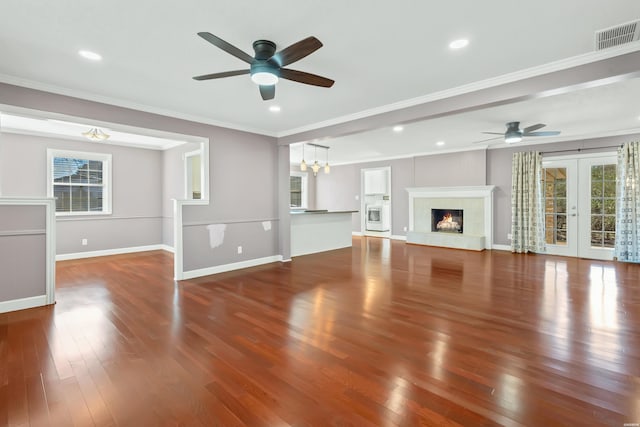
(580, 202)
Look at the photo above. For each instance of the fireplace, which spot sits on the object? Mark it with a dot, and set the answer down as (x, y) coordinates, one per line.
(447, 220)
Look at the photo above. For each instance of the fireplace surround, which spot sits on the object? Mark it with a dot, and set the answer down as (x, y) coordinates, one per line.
(476, 223)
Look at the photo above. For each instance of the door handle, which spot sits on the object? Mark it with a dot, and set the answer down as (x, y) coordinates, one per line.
(574, 214)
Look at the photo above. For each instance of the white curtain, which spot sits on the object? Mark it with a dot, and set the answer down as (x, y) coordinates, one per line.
(527, 209)
(628, 203)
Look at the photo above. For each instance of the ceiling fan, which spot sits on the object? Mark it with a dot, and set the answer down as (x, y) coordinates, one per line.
(266, 66)
(515, 134)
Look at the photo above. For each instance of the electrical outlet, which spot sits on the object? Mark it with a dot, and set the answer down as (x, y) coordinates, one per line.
(509, 236)
(357, 197)
(239, 249)
(85, 242)
(405, 228)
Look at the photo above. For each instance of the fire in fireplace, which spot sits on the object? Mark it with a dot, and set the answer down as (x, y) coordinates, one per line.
(446, 220)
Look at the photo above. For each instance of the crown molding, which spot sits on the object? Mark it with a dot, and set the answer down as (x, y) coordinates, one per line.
(60, 90)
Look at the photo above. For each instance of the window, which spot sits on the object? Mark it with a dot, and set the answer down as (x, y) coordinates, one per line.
(80, 182)
(298, 190)
(193, 175)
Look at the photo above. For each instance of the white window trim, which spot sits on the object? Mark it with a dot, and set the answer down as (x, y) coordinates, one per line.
(106, 177)
(305, 193)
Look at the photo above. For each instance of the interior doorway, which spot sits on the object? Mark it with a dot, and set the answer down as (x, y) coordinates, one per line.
(580, 205)
(375, 219)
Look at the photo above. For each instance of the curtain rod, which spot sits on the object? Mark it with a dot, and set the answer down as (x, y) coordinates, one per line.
(581, 149)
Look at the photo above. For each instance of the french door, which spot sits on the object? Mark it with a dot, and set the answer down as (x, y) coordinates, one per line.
(580, 206)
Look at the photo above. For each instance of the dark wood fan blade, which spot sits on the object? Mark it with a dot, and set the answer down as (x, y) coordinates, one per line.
(533, 127)
(221, 75)
(543, 133)
(494, 133)
(268, 92)
(306, 78)
(227, 47)
(297, 51)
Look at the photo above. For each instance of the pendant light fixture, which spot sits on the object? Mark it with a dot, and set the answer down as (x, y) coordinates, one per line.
(316, 166)
(95, 134)
(327, 168)
(303, 165)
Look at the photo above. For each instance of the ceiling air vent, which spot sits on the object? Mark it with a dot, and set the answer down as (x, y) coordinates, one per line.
(618, 35)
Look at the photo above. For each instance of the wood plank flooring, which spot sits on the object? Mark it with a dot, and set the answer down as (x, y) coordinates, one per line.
(382, 334)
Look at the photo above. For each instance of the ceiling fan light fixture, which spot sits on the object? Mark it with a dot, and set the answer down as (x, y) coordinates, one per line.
(264, 78)
(510, 138)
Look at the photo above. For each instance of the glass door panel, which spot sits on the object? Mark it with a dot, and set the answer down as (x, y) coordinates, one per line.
(560, 188)
(598, 196)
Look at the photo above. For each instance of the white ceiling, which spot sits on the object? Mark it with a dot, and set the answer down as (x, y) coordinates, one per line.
(378, 52)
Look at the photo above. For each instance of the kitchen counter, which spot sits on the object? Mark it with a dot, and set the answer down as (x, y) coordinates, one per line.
(315, 231)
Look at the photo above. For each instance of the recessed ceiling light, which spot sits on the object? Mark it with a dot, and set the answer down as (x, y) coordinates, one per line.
(398, 128)
(440, 143)
(274, 108)
(87, 54)
(458, 44)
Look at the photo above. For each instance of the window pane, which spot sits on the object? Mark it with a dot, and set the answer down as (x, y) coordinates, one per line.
(596, 206)
(596, 173)
(596, 239)
(95, 165)
(79, 199)
(62, 169)
(610, 206)
(610, 223)
(95, 199)
(609, 189)
(596, 223)
(561, 188)
(62, 194)
(561, 205)
(609, 240)
(561, 237)
(296, 183)
(561, 222)
(596, 189)
(95, 177)
(610, 172)
(81, 173)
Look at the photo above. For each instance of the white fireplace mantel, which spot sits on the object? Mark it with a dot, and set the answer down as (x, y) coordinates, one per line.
(484, 192)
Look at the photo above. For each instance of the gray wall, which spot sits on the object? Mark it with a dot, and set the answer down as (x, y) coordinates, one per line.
(136, 192)
(337, 191)
(243, 172)
(22, 252)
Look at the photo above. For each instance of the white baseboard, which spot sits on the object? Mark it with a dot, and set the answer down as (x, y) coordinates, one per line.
(356, 233)
(230, 267)
(23, 303)
(501, 247)
(118, 251)
(167, 248)
(398, 237)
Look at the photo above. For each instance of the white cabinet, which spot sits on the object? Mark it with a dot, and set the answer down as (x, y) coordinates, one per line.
(376, 181)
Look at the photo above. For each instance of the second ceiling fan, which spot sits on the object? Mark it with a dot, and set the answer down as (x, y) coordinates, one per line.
(515, 134)
(266, 67)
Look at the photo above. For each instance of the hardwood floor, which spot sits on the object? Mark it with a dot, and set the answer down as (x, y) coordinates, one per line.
(383, 334)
